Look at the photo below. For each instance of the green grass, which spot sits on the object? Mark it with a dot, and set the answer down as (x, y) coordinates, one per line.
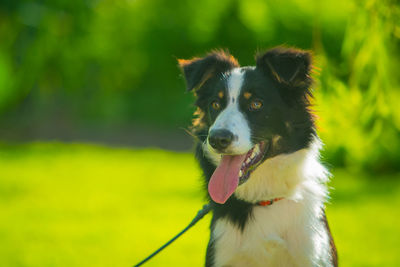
(86, 205)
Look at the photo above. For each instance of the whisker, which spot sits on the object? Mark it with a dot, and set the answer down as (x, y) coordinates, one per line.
(189, 133)
(195, 136)
(257, 137)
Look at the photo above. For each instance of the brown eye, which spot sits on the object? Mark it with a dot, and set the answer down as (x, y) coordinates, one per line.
(216, 105)
(256, 104)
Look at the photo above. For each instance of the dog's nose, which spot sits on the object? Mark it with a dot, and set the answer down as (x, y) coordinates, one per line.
(220, 139)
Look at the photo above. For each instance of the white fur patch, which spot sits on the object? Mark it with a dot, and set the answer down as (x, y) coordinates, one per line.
(281, 176)
(232, 119)
(289, 232)
(235, 82)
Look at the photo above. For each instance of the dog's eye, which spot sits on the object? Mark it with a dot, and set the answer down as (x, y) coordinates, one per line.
(216, 105)
(256, 104)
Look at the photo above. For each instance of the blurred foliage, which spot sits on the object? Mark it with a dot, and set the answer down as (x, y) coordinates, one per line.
(81, 205)
(114, 62)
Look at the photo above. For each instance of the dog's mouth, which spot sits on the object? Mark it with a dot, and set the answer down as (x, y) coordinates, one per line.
(253, 158)
(234, 170)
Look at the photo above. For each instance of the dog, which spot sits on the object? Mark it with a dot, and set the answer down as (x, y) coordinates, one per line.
(259, 152)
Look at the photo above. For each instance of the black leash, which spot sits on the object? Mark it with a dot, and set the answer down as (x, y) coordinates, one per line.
(206, 209)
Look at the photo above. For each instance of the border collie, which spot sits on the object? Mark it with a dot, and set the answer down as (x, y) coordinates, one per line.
(259, 151)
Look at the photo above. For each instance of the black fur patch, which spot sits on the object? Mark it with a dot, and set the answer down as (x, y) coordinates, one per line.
(197, 71)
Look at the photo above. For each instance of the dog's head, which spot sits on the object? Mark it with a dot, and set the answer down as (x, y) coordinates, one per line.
(249, 114)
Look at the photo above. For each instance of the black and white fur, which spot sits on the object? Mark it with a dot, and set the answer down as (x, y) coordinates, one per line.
(294, 230)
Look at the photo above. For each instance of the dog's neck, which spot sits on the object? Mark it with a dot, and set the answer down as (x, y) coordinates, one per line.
(285, 175)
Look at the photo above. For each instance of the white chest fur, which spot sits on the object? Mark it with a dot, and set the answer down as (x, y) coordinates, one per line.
(283, 234)
(288, 233)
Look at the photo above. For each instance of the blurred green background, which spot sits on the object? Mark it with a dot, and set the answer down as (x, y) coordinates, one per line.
(96, 168)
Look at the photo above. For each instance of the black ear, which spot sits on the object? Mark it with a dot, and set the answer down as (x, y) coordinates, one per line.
(288, 66)
(198, 70)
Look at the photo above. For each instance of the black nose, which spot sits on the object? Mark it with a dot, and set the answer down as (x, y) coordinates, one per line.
(220, 139)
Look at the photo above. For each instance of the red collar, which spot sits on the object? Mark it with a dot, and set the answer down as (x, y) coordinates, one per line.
(269, 202)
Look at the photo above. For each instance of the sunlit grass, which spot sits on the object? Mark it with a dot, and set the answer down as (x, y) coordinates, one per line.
(85, 205)
(364, 216)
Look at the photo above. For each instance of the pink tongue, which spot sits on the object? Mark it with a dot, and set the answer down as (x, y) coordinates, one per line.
(225, 178)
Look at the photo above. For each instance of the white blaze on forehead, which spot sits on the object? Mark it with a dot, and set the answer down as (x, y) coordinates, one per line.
(235, 82)
(231, 118)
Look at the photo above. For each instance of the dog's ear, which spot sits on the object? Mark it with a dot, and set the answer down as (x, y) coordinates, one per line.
(288, 66)
(198, 70)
